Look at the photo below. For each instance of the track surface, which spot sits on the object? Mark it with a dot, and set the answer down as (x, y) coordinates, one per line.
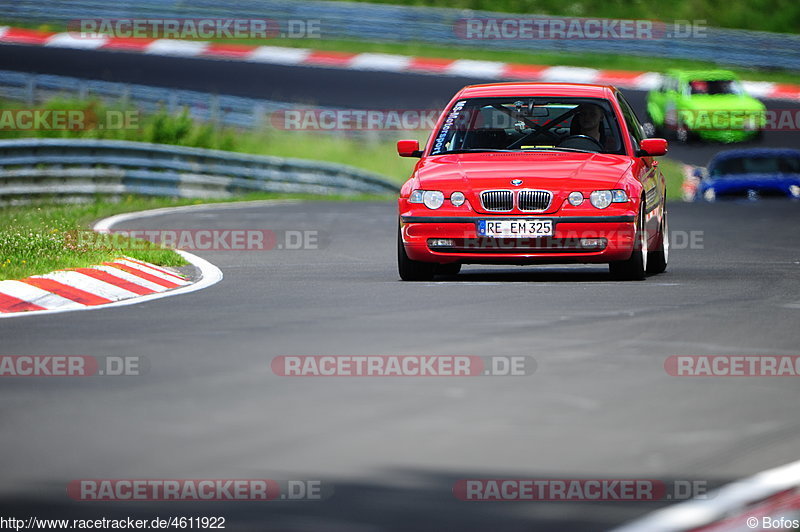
(308, 85)
(599, 405)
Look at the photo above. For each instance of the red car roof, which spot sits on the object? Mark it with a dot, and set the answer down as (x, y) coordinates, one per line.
(576, 90)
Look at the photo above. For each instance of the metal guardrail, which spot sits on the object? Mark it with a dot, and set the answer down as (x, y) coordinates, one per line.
(70, 169)
(233, 111)
(225, 110)
(388, 23)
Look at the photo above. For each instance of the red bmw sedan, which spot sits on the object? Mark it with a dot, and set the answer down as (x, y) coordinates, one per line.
(533, 173)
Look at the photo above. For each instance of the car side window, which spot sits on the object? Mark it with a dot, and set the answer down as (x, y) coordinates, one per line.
(634, 127)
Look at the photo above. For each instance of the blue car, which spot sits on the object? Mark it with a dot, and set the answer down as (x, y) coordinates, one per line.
(751, 173)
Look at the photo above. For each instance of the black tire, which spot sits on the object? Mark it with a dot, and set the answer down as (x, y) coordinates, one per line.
(682, 134)
(650, 128)
(658, 258)
(412, 270)
(449, 269)
(634, 268)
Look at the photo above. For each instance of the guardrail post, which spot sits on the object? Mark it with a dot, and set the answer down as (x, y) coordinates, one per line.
(83, 90)
(125, 97)
(30, 90)
(213, 110)
(259, 115)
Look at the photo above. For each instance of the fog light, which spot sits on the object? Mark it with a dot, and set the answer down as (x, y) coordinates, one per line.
(441, 242)
(457, 198)
(593, 242)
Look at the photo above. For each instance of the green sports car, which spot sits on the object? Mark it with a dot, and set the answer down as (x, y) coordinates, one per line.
(704, 104)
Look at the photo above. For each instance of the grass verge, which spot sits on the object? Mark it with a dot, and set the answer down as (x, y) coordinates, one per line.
(37, 239)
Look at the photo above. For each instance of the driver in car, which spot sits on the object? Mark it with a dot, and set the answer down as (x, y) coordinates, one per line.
(589, 117)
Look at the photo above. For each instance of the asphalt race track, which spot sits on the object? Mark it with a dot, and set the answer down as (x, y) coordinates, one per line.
(600, 404)
(308, 85)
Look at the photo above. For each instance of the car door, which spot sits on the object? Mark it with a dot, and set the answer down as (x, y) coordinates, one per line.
(648, 171)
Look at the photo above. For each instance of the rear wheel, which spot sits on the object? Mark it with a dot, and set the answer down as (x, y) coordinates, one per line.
(650, 128)
(635, 267)
(412, 270)
(658, 258)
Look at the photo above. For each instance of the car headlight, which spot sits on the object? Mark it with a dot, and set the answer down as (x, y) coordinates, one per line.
(432, 199)
(457, 199)
(575, 198)
(603, 198)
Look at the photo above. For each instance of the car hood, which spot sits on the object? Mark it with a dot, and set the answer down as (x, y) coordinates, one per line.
(558, 172)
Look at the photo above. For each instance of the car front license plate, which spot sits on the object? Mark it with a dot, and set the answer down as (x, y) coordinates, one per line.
(515, 228)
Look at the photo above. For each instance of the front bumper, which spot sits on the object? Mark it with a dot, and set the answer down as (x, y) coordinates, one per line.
(610, 238)
(726, 135)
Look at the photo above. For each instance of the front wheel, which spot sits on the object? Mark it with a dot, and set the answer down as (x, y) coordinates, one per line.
(412, 270)
(635, 267)
(658, 258)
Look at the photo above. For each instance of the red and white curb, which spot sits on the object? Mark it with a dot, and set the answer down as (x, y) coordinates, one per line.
(124, 281)
(490, 70)
(771, 495)
(119, 280)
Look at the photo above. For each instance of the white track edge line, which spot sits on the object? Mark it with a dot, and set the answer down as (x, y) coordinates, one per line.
(210, 274)
(719, 503)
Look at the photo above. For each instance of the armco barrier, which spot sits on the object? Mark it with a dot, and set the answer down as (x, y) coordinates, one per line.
(392, 23)
(227, 110)
(69, 169)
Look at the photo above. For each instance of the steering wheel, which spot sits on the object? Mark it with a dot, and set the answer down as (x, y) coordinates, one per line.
(580, 143)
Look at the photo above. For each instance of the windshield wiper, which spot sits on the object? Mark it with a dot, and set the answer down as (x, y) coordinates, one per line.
(558, 149)
(472, 150)
(516, 150)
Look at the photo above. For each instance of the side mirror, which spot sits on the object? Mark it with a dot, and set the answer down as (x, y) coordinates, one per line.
(699, 172)
(652, 148)
(408, 148)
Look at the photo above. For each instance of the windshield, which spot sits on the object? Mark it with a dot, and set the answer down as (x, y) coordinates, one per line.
(757, 165)
(726, 86)
(529, 124)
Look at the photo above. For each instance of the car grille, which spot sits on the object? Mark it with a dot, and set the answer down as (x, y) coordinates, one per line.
(527, 200)
(497, 200)
(533, 200)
